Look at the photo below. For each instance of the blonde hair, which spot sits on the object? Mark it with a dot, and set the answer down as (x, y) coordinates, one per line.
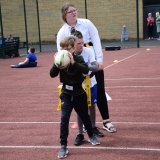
(68, 41)
(157, 14)
(149, 14)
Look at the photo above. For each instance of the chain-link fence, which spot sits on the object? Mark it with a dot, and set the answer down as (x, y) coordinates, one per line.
(37, 21)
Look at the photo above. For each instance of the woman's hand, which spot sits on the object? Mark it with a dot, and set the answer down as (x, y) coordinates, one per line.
(100, 66)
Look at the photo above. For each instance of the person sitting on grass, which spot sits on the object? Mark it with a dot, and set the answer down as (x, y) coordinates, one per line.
(30, 61)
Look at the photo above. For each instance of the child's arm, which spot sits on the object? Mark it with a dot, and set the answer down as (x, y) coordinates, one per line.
(54, 71)
(26, 60)
(80, 65)
(93, 67)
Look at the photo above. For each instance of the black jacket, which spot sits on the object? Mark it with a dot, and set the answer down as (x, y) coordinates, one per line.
(72, 75)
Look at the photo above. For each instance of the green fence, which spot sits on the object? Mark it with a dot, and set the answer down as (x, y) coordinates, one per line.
(36, 22)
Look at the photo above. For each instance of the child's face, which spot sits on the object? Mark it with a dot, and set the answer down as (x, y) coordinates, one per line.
(79, 45)
(69, 48)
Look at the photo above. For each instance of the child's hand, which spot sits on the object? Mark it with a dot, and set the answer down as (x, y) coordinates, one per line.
(71, 57)
(54, 57)
(55, 54)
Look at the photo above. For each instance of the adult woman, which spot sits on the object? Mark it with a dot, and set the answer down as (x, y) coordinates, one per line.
(158, 24)
(91, 38)
(150, 25)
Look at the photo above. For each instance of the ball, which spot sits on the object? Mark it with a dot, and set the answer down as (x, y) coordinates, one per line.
(62, 59)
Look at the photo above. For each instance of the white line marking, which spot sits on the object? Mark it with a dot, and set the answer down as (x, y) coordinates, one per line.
(140, 123)
(148, 46)
(31, 122)
(131, 79)
(134, 87)
(74, 147)
(121, 60)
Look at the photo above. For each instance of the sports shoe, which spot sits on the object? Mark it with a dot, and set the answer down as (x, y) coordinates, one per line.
(79, 140)
(158, 39)
(97, 133)
(63, 152)
(93, 140)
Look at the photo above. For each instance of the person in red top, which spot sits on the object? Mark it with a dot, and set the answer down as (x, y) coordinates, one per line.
(150, 25)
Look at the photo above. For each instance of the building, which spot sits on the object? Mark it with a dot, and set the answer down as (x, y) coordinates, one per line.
(109, 16)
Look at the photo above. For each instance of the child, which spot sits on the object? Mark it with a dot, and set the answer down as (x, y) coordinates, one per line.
(30, 61)
(73, 94)
(89, 58)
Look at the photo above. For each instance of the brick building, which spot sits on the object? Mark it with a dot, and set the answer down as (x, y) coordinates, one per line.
(108, 16)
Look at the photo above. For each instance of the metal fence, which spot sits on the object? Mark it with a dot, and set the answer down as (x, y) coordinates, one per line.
(36, 22)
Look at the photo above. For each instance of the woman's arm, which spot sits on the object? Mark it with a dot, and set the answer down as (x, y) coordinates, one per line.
(62, 33)
(93, 32)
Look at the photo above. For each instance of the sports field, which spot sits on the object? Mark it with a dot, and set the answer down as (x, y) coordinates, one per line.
(29, 122)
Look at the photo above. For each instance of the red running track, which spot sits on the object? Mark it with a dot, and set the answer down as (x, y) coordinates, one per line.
(29, 122)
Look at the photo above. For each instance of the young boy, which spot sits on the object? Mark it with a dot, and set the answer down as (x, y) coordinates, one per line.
(89, 58)
(30, 61)
(73, 94)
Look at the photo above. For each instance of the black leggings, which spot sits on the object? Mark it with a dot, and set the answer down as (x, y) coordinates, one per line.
(150, 31)
(101, 96)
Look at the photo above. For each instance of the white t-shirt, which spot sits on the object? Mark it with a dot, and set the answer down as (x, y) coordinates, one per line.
(89, 57)
(89, 32)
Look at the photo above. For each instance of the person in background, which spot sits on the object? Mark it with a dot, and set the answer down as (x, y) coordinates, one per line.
(9, 38)
(150, 25)
(92, 40)
(30, 61)
(73, 94)
(158, 24)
